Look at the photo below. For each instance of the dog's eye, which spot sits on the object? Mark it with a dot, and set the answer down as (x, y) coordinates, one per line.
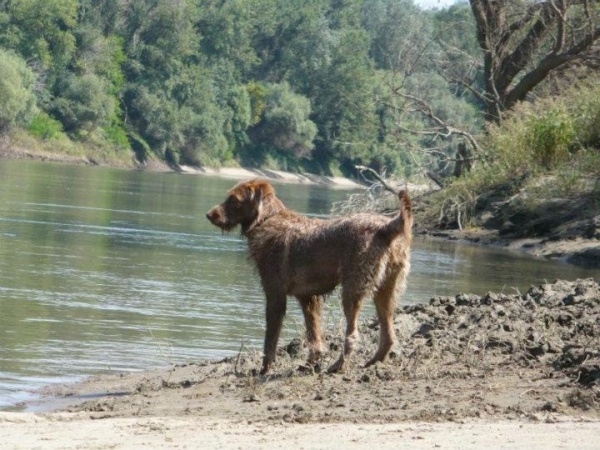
(233, 200)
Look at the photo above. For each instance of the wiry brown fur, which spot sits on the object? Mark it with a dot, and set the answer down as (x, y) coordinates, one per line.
(308, 257)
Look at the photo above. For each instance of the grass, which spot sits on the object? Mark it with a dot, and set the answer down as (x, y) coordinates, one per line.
(60, 148)
(548, 149)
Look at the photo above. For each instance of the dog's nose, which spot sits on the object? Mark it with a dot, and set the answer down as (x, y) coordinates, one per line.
(212, 215)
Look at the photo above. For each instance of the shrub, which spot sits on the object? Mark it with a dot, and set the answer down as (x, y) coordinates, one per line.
(546, 134)
(285, 124)
(84, 105)
(559, 137)
(117, 135)
(44, 127)
(17, 82)
(550, 137)
(587, 116)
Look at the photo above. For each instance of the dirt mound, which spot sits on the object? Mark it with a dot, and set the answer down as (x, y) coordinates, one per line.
(554, 326)
(534, 355)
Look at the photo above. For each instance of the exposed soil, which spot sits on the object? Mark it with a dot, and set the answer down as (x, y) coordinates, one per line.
(564, 227)
(531, 356)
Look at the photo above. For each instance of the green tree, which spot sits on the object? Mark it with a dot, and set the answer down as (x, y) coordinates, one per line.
(343, 101)
(84, 104)
(401, 35)
(285, 126)
(161, 74)
(228, 30)
(17, 83)
(100, 52)
(40, 30)
(107, 16)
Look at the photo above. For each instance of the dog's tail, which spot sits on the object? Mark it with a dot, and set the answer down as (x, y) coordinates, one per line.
(402, 223)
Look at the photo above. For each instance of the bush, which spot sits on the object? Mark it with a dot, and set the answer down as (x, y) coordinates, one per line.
(555, 137)
(550, 137)
(85, 104)
(587, 116)
(546, 134)
(285, 126)
(117, 135)
(45, 127)
(17, 82)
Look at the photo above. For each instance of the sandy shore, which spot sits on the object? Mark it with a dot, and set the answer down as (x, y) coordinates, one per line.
(10, 151)
(76, 431)
(240, 173)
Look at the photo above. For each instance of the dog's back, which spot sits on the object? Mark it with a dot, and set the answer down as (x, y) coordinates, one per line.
(312, 256)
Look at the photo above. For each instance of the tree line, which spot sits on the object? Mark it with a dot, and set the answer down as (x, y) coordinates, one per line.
(315, 85)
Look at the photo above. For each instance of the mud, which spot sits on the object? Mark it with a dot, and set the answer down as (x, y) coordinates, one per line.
(534, 355)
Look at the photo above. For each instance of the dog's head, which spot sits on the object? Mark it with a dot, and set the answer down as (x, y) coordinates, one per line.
(247, 204)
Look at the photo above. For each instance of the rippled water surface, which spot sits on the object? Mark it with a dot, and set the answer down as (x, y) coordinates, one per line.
(108, 270)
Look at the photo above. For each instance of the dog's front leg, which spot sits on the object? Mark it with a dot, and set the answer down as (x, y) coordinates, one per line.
(275, 311)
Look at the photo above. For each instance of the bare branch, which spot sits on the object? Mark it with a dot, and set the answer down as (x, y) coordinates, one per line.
(551, 62)
(426, 109)
(378, 177)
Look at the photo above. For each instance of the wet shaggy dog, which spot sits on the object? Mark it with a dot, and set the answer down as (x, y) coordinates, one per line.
(368, 254)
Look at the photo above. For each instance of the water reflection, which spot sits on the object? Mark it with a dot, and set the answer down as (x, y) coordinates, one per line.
(103, 270)
(443, 268)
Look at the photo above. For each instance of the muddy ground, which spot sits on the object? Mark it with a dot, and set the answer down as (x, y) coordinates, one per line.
(498, 356)
(562, 227)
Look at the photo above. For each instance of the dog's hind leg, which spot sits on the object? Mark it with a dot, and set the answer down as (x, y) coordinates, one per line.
(384, 298)
(351, 302)
(312, 307)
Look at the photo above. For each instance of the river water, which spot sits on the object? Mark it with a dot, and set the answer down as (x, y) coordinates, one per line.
(108, 270)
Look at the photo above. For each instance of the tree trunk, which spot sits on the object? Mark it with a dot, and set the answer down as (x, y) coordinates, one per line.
(524, 43)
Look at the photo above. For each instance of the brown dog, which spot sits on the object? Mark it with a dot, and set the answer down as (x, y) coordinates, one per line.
(307, 258)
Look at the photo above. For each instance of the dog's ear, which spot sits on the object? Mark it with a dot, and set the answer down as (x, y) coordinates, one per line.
(263, 203)
(258, 190)
(254, 194)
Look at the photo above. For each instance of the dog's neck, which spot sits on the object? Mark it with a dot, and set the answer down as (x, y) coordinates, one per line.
(267, 207)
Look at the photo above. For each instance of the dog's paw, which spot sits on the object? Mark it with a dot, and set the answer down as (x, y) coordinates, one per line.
(309, 368)
(338, 367)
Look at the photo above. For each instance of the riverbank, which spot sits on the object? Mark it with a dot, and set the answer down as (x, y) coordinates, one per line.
(240, 173)
(8, 151)
(575, 250)
(505, 371)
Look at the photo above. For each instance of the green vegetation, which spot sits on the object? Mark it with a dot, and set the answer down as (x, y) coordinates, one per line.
(549, 148)
(16, 90)
(318, 85)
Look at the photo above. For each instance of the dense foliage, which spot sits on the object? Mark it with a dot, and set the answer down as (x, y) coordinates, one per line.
(309, 85)
(318, 85)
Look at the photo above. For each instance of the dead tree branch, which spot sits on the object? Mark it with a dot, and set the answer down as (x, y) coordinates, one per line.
(378, 177)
